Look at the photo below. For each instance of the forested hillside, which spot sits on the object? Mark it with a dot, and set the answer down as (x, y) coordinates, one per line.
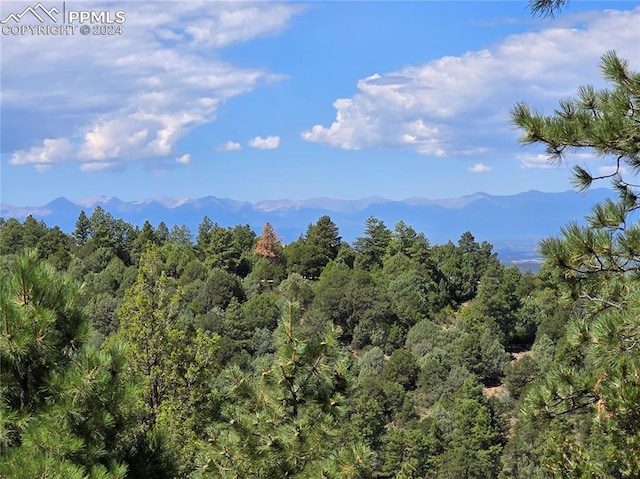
(229, 353)
(223, 353)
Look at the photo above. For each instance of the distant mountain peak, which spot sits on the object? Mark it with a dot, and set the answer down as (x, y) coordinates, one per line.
(527, 216)
(60, 201)
(94, 200)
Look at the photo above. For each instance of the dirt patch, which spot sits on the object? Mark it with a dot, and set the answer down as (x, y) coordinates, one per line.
(519, 351)
(494, 391)
(521, 354)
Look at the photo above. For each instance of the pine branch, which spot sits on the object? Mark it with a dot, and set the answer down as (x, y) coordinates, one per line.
(601, 300)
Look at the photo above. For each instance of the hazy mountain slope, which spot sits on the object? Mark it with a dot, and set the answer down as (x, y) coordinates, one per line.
(512, 223)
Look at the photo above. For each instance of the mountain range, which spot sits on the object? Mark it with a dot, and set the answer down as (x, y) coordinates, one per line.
(514, 224)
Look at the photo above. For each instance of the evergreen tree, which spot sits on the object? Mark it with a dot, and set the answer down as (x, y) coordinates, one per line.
(546, 8)
(82, 233)
(285, 422)
(54, 245)
(32, 231)
(322, 242)
(181, 235)
(63, 403)
(203, 236)
(11, 237)
(226, 248)
(372, 247)
(475, 443)
(405, 240)
(476, 258)
(311, 253)
(587, 405)
(173, 367)
(162, 233)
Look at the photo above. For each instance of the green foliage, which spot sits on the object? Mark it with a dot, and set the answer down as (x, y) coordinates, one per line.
(601, 394)
(367, 420)
(148, 322)
(310, 254)
(296, 289)
(173, 367)
(63, 403)
(145, 236)
(523, 453)
(11, 234)
(546, 8)
(83, 229)
(372, 247)
(478, 348)
(475, 443)
(371, 363)
(104, 291)
(412, 288)
(218, 290)
(594, 257)
(402, 369)
(285, 423)
(406, 241)
(32, 231)
(519, 374)
(180, 235)
(225, 248)
(586, 406)
(497, 302)
(604, 121)
(462, 266)
(356, 301)
(423, 338)
(268, 272)
(424, 323)
(42, 327)
(412, 453)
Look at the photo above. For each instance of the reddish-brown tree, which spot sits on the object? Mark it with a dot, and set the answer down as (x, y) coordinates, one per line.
(269, 244)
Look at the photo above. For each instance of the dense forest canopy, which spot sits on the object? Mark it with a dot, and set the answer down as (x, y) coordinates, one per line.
(229, 354)
(224, 353)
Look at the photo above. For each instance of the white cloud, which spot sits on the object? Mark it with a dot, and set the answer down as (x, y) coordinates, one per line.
(52, 151)
(543, 161)
(184, 159)
(136, 94)
(540, 161)
(235, 25)
(230, 146)
(101, 166)
(479, 168)
(606, 170)
(459, 106)
(268, 143)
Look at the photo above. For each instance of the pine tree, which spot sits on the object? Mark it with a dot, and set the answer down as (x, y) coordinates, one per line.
(323, 242)
(11, 237)
(373, 245)
(172, 366)
(596, 258)
(475, 446)
(269, 244)
(546, 8)
(82, 233)
(285, 423)
(588, 406)
(63, 402)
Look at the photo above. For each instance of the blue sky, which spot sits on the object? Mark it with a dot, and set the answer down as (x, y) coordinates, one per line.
(268, 100)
